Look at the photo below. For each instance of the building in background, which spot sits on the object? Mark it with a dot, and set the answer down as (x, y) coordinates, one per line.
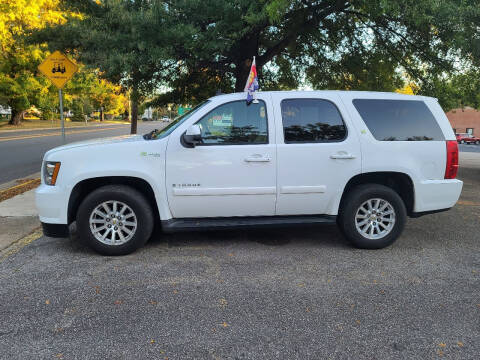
(465, 120)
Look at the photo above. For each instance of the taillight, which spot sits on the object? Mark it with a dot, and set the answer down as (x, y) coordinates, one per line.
(452, 160)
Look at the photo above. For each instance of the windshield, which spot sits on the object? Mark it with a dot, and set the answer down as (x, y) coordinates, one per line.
(167, 130)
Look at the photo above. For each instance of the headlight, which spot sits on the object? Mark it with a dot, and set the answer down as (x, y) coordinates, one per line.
(50, 172)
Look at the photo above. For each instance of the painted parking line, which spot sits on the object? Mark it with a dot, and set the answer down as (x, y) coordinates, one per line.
(11, 138)
(18, 245)
(468, 203)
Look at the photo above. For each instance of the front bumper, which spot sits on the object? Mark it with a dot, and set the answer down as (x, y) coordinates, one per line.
(55, 230)
(52, 204)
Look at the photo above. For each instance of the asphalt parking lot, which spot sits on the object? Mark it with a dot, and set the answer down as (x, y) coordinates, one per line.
(277, 294)
(469, 148)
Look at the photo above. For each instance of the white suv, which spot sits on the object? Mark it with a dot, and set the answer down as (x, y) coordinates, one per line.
(364, 160)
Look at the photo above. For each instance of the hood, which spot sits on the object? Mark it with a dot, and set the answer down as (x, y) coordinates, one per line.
(94, 142)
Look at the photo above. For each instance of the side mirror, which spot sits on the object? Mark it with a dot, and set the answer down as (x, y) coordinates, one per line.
(192, 136)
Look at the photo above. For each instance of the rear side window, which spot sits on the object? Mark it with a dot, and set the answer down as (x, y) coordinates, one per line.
(399, 120)
(311, 120)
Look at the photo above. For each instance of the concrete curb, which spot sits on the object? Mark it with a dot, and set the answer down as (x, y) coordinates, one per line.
(10, 184)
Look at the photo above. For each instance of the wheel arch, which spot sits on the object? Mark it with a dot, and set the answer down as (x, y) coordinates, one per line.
(398, 181)
(86, 186)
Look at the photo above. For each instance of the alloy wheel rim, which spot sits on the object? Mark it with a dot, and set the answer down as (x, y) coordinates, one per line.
(375, 218)
(113, 222)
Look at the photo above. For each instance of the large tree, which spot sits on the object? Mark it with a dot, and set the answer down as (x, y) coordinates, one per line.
(20, 84)
(207, 45)
(116, 36)
(369, 44)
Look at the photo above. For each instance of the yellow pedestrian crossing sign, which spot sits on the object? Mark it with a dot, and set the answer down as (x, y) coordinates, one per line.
(58, 68)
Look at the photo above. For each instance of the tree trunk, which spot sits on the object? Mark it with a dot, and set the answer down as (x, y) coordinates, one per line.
(101, 114)
(241, 74)
(134, 96)
(16, 117)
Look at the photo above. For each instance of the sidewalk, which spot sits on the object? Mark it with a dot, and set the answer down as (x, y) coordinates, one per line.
(18, 218)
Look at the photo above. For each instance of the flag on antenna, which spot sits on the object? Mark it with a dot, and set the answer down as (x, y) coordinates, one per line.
(252, 84)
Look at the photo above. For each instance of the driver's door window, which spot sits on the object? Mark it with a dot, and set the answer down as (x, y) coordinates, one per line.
(235, 123)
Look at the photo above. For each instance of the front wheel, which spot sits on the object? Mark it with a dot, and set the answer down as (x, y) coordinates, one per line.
(115, 220)
(373, 216)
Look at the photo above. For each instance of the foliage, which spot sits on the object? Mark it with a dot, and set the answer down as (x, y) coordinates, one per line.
(458, 90)
(77, 110)
(18, 16)
(94, 93)
(126, 40)
(193, 48)
(20, 88)
(21, 85)
(363, 45)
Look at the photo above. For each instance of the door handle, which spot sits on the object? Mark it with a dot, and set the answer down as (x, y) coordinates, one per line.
(257, 158)
(342, 155)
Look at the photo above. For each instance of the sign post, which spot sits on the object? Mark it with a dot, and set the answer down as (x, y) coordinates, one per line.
(58, 69)
(62, 121)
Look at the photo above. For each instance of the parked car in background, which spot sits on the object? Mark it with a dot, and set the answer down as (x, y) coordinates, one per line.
(363, 160)
(165, 118)
(467, 139)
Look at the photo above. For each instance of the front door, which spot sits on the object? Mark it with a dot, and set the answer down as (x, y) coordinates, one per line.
(233, 171)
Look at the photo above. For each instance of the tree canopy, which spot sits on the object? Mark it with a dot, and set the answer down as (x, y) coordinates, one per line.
(126, 40)
(187, 50)
(366, 45)
(21, 85)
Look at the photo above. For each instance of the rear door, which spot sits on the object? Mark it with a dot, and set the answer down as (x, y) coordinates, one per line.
(233, 171)
(318, 152)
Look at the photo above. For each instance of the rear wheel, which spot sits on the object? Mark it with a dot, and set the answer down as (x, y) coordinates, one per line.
(373, 216)
(115, 220)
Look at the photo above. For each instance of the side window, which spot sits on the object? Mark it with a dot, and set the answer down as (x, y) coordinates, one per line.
(311, 120)
(399, 120)
(235, 123)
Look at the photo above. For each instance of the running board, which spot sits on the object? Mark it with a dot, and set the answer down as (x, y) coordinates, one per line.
(242, 222)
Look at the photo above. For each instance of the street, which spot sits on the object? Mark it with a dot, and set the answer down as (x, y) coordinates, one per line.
(468, 148)
(25, 149)
(271, 294)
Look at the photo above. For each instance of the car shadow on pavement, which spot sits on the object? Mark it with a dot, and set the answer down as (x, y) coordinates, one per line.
(322, 235)
(310, 236)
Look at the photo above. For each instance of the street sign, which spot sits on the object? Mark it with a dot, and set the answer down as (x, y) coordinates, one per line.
(58, 68)
(182, 110)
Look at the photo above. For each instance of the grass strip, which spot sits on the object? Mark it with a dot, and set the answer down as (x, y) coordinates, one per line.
(23, 186)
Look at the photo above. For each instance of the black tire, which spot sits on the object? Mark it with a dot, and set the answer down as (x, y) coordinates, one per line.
(127, 195)
(358, 196)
